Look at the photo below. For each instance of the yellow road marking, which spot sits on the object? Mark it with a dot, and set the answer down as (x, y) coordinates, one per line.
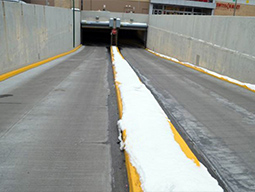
(201, 70)
(185, 148)
(133, 176)
(31, 66)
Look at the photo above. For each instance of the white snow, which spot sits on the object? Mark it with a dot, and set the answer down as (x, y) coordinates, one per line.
(150, 144)
(134, 24)
(248, 85)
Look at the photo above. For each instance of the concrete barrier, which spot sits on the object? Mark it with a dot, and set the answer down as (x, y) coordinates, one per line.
(30, 33)
(77, 28)
(222, 44)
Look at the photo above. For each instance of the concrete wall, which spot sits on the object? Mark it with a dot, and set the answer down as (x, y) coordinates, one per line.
(105, 15)
(30, 33)
(58, 3)
(222, 44)
(77, 28)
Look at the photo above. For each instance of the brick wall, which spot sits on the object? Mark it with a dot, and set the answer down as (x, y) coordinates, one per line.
(67, 3)
(136, 6)
(226, 8)
(42, 2)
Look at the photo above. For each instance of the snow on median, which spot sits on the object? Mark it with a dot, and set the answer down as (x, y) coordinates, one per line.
(150, 144)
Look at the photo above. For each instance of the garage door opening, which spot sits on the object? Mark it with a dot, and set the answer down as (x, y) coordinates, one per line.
(102, 37)
(132, 38)
(95, 37)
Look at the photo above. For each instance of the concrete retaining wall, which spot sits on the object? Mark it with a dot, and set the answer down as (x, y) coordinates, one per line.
(77, 28)
(221, 44)
(30, 33)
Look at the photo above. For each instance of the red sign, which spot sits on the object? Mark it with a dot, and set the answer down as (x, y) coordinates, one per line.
(114, 31)
(227, 5)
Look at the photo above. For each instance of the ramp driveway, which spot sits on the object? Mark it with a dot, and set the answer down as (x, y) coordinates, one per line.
(216, 118)
(55, 125)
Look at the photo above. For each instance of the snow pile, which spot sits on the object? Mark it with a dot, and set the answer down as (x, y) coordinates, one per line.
(153, 151)
(223, 77)
(134, 24)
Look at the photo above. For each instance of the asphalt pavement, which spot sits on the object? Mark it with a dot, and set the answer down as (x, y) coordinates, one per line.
(58, 123)
(57, 132)
(216, 118)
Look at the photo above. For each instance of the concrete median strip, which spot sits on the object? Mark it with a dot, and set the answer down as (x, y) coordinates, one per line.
(250, 87)
(133, 177)
(31, 66)
(157, 158)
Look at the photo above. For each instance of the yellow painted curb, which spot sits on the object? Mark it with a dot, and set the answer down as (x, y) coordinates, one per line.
(31, 66)
(133, 176)
(201, 70)
(185, 148)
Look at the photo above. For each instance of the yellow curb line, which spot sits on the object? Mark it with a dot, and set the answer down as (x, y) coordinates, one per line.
(185, 148)
(133, 176)
(201, 70)
(31, 66)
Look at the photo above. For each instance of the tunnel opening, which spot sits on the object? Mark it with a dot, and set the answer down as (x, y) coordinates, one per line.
(132, 38)
(102, 37)
(95, 37)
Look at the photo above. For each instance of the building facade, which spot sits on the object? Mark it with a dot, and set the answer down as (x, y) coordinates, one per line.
(243, 8)
(168, 7)
(126, 6)
(182, 7)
